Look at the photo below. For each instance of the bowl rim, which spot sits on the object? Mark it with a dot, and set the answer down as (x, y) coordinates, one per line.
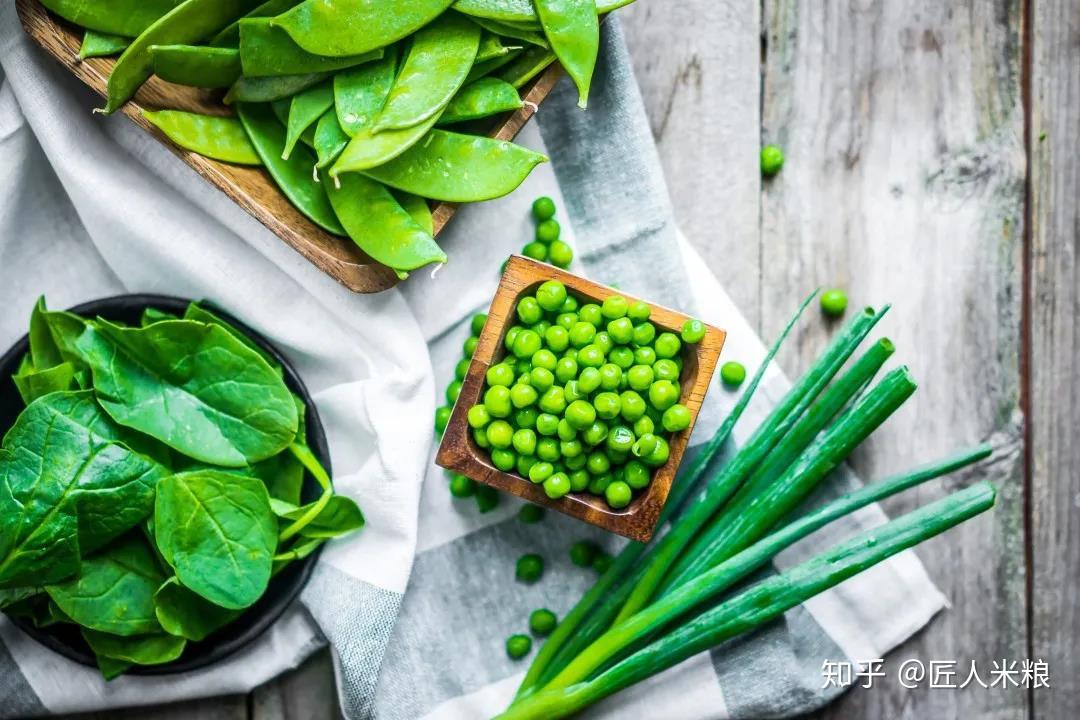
(301, 570)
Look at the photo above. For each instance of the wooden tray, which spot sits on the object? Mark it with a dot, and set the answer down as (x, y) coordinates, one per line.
(252, 188)
(460, 453)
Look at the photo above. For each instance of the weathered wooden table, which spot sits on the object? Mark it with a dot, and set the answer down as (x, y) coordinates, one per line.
(931, 162)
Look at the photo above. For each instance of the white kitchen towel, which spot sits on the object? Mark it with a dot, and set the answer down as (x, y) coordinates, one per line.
(94, 207)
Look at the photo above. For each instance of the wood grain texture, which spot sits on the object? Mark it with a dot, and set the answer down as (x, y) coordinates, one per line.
(1055, 347)
(251, 187)
(223, 708)
(902, 124)
(460, 453)
(308, 692)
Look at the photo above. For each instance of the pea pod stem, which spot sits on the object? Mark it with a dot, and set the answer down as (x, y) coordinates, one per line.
(771, 431)
(588, 619)
(735, 569)
(762, 603)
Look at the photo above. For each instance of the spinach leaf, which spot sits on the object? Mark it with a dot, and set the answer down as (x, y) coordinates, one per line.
(110, 668)
(137, 650)
(44, 351)
(192, 386)
(217, 531)
(152, 315)
(114, 591)
(337, 517)
(15, 595)
(200, 314)
(300, 550)
(283, 476)
(69, 483)
(33, 384)
(187, 615)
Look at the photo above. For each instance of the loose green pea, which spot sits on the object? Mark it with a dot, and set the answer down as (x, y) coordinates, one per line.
(666, 369)
(589, 380)
(621, 330)
(541, 471)
(772, 159)
(503, 459)
(461, 486)
(571, 448)
(526, 343)
(667, 345)
(557, 486)
(541, 378)
(583, 552)
(566, 320)
(597, 463)
(566, 369)
(623, 357)
(608, 405)
(662, 394)
(529, 567)
(529, 311)
(524, 441)
(547, 424)
(570, 305)
(602, 563)
(547, 449)
(693, 332)
(676, 418)
(834, 302)
(540, 328)
(531, 514)
(525, 463)
(542, 622)
(551, 295)
(644, 334)
(511, 336)
(500, 434)
(442, 419)
(636, 475)
(478, 416)
(580, 478)
(518, 646)
(497, 401)
(604, 342)
(480, 437)
(577, 462)
(461, 370)
(543, 208)
(544, 358)
(500, 374)
(469, 348)
(645, 445)
(620, 439)
(566, 431)
(553, 401)
(523, 395)
(536, 250)
(560, 254)
(615, 307)
(548, 231)
(580, 414)
(610, 376)
(557, 338)
(526, 417)
(638, 312)
(590, 356)
(477, 324)
(595, 434)
(618, 494)
(659, 455)
(644, 356)
(581, 334)
(632, 406)
(732, 373)
(640, 377)
(591, 314)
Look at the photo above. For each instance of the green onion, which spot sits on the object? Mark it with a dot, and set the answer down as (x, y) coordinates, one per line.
(761, 603)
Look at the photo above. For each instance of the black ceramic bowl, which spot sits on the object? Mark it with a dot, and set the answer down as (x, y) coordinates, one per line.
(284, 587)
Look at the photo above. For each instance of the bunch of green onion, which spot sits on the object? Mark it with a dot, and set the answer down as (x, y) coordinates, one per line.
(664, 602)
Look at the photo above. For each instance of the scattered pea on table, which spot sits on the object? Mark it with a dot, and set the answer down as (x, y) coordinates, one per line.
(582, 553)
(531, 514)
(529, 568)
(542, 622)
(834, 302)
(772, 160)
(518, 646)
(732, 373)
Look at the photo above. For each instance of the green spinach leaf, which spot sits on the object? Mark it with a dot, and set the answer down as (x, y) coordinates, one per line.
(218, 533)
(339, 516)
(200, 314)
(33, 384)
(185, 614)
(137, 650)
(110, 668)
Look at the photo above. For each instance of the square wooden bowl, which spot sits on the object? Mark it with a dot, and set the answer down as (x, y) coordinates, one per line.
(460, 453)
(251, 187)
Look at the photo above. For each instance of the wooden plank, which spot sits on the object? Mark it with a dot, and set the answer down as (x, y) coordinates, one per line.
(904, 183)
(226, 708)
(698, 66)
(1055, 341)
(308, 693)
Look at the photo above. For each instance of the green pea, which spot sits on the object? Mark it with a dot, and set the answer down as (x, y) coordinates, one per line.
(640, 377)
(543, 208)
(500, 434)
(547, 424)
(452, 391)
(480, 437)
(468, 348)
(589, 380)
(531, 514)
(608, 405)
(529, 568)
(610, 376)
(581, 334)
(666, 369)
(676, 418)
(478, 416)
(542, 622)
(536, 250)
(570, 305)
(662, 394)
(604, 342)
(541, 378)
(523, 366)
(636, 475)
(442, 419)
(461, 370)
(620, 439)
(621, 330)
(580, 478)
(571, 353)
(693, 332)
(487, 498)
(602, 563)
(553, 401)
(571, 448)
(615, 307)
(566, 320)
(618, 494)
(599, 483)
(541, 471)
(524, 441)
(644, 333)
(557, 338)
(503, 459)
(525, 463)
(834, 302)
(583, 552)
(659, 455)
(576, 462)
(566, 431)
(595, 434)
(476, 325)
(732, 373)
(547, 449)
(638, 312)
(644, 356)
(526, 344)
(572, 392)
(518, 646)
(551, 295)
(511, 336)
(580, 414)
(772, 159)
(526, 417)
(557, 485)
(500, 374)
(566, 369)
(529, 311)
(497, 401)
(667, 345)
(523, 395)
(644, 425)
(591, 314)
(590, 356)
(597, 463)
(548, 231)
(622, 357)
(461, 486)
(645, 445)
(632, 406)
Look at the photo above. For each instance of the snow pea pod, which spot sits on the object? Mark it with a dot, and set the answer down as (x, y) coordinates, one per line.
(453, 167)
(305, 109)
(127, 18)
(435, 68)
(360, 93)
(367, 149)
(520, 10)
(268, 89)
(329, 139)
(219, 138)
(479, 99)
(483, 69)
(351, 27)
(230, 36)
(418, 210)
(491, 47)
(518, 32)
(574, 32)
(527, 66)
(99, 44)
(293, 176)
(267, 50)
(281, 112)
(383, 229)
(196, 65)
(187, 23)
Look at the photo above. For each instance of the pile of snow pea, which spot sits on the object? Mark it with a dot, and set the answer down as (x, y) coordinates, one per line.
(362, 112)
